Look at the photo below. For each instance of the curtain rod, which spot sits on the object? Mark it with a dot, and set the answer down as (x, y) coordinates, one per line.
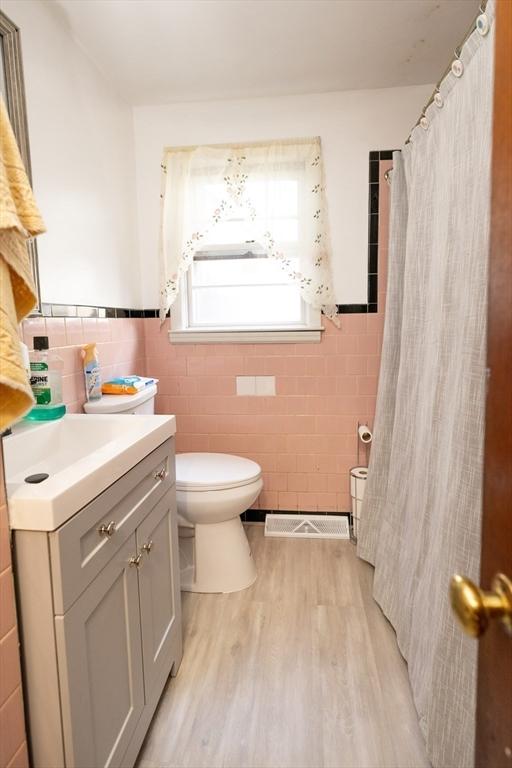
(473, 26)
(243, 145)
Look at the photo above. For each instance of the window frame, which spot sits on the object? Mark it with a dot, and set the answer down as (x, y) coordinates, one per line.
(309, 330)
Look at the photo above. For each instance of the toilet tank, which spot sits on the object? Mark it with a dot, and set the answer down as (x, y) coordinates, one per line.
(142, 402)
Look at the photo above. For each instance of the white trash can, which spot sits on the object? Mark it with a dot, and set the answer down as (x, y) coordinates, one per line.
(358, 476)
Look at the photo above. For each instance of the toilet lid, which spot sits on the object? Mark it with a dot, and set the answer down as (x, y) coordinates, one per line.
(214, 471)
(120, 403)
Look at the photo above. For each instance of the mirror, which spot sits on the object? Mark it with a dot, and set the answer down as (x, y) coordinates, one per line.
(12, 88)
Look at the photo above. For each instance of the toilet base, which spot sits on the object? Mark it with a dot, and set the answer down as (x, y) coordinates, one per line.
(217, 558)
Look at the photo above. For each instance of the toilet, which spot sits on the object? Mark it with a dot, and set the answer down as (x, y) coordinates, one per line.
(142, 402)
(212, 491)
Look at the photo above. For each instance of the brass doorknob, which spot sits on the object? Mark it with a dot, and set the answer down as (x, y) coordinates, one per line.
(475, 608)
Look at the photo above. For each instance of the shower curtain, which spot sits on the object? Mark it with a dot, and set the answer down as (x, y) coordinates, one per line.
(422, 510)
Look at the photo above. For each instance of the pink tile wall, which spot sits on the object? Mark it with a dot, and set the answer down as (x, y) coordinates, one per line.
(120, 346)
(304, 438)
(13, 745)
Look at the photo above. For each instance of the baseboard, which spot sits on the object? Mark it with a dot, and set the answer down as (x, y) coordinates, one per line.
(259, 515)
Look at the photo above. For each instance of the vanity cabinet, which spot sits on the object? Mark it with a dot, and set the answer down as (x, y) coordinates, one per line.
(101, 621)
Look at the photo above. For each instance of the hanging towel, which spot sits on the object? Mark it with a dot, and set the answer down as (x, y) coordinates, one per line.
(19, 220)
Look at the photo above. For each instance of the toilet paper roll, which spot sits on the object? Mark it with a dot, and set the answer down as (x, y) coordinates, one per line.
(358, 477)
(365, 433)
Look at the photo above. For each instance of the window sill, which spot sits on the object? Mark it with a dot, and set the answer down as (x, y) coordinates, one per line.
(303, 336)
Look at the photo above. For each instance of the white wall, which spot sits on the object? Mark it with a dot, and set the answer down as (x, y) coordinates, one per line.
(81, 139)
(82, 145)
(350, 123)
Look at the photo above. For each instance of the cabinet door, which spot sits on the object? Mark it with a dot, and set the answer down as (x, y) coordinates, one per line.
(100, 665)
(160, 609)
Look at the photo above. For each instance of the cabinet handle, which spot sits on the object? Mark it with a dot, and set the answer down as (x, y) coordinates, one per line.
(136, 560)
(107, 530)
(147, 547)
(160, 475)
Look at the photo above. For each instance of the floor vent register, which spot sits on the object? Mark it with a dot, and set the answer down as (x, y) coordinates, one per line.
(307, 526)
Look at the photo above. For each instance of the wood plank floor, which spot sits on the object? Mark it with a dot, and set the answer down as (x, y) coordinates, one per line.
(300, 670)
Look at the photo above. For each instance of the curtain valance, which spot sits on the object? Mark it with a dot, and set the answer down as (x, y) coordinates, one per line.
(271, 194)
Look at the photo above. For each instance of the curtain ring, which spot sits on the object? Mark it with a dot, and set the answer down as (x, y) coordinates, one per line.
(438, 99)
(457, 67)
(482, 25)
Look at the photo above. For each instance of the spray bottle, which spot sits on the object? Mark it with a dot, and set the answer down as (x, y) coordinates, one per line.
(91, 371)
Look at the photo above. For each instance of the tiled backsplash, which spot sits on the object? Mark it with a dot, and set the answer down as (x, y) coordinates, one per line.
(120, 345)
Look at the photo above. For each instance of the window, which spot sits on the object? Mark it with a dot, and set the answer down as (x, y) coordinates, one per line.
(238, 290)
(240, 228)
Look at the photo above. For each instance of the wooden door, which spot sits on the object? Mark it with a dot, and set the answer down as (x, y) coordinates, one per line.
(494, 697)
(100, 665)
(159, 593)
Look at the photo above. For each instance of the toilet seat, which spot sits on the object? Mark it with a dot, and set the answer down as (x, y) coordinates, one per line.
(214, 471)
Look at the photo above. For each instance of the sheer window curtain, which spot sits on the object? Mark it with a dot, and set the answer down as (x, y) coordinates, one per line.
(276, 191)
(422, 511)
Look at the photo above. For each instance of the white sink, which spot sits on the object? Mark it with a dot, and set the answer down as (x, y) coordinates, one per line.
(82, 454)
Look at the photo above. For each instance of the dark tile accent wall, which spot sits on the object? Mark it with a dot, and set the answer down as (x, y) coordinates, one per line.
(259, 515)
(351, 309)
(79, 310)
(373, 235)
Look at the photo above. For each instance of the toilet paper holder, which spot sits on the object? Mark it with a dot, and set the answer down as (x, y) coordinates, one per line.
(365, 433)
(364, 437)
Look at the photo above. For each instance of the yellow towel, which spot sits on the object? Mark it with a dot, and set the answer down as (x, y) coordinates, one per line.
(19, 220)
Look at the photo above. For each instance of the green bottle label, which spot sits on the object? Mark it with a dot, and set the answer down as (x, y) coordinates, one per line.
(40, 383)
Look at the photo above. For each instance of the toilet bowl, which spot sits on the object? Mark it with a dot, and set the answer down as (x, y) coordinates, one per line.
(212, 491)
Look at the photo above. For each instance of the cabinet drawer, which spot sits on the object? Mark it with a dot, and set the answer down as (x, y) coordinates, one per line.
(81, 547)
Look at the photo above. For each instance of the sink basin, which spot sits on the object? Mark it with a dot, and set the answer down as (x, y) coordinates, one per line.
(82, 455)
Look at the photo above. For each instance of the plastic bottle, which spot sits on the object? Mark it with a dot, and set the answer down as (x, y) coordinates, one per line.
(92, 374)
(45, 373)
